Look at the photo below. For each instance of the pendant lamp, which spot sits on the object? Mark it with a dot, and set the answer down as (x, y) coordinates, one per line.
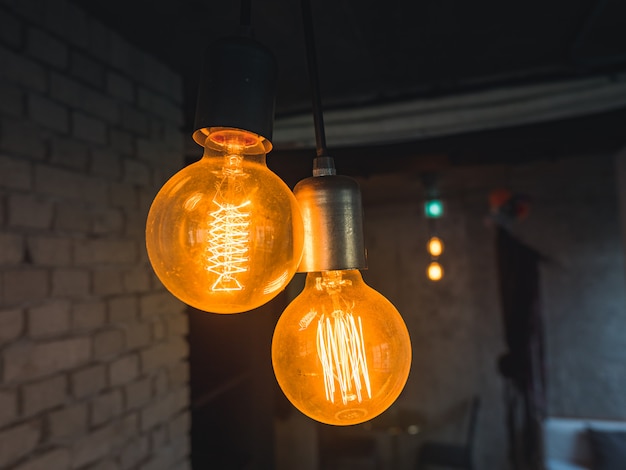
(341, 352)
(225, 234)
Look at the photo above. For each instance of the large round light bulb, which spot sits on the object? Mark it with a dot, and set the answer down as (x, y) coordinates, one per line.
(341, 351)
(225, 234)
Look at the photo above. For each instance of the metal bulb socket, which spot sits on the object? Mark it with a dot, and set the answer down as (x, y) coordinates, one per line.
(333, 223)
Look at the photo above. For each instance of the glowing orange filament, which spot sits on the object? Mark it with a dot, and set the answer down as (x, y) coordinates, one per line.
(341, 348)
(229, 235)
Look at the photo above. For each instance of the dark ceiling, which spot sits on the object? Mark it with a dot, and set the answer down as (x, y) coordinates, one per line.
(373, 51)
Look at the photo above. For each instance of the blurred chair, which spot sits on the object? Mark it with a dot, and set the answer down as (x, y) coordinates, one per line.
(450, 455)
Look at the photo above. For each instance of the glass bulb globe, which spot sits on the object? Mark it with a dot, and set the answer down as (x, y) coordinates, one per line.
(225, 234)
(435, 246)
(435, 271)
(341, 351)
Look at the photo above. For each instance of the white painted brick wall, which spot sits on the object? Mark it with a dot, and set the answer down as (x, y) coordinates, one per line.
(88, 381)
(44, 394)
(32, 360)
(10, 29)
(71, 283)
(11, 249)
(124, 370)
(68, 153)
(11, 100)
(11, 324)
(84, 98)
(22, 138)
(88, 315)
(57, 459)
(8, 406)
(25, 285)
(67, 422)
(49, 319)
(120, 87)
(46, 48)
(48, 113)
(30, 211)
(89, 129)
(15, 173)
(21, 70)
(18, 441)
(93, 369)
(50, 250)
(108, 343)
(105, 407)
(87, 70)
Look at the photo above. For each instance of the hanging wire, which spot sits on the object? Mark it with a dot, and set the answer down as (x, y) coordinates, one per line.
(318, 118)
(245, 13)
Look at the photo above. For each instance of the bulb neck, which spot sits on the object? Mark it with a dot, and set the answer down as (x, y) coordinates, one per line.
(234, 145)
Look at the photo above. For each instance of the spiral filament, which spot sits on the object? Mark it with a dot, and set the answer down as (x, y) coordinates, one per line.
(228, 234)
(342, 354)
(341, 349)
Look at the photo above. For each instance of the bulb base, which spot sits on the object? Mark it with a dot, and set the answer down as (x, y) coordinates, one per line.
(333, 223)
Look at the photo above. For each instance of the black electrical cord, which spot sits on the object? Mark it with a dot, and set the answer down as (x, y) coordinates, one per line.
(245, 13)
(318, 118)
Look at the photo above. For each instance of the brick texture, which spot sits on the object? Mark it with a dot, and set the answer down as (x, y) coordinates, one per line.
(24, 361)
(68, 422)
(88, 381)
(49, 319)
(18, 441)
(93, 364)
(44, 394)
(8, 406)
(57, 459)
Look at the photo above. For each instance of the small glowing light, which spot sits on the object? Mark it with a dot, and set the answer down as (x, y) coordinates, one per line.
(435, 271)
(433, 209)
(435, 246)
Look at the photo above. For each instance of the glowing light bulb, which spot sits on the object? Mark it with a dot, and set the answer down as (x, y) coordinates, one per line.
(341, 351)
(434, 271)
(225, 234)
(435, 246)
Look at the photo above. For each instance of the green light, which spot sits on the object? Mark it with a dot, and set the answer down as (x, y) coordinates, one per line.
(433, 209)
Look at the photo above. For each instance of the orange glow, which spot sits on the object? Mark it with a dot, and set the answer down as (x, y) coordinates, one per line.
(435, 246)
(341, 351)
(225, 234)
(435, 271)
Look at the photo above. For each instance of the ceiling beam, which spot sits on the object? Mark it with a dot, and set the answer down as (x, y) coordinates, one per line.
(456, 114)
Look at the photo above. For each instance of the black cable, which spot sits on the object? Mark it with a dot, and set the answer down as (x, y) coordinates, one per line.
(245, 13)
(309, 39)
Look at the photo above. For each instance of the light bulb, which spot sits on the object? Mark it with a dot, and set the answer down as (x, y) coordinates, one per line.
(341, 351)
(435, 271)
(435, 246)
(225, 234)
